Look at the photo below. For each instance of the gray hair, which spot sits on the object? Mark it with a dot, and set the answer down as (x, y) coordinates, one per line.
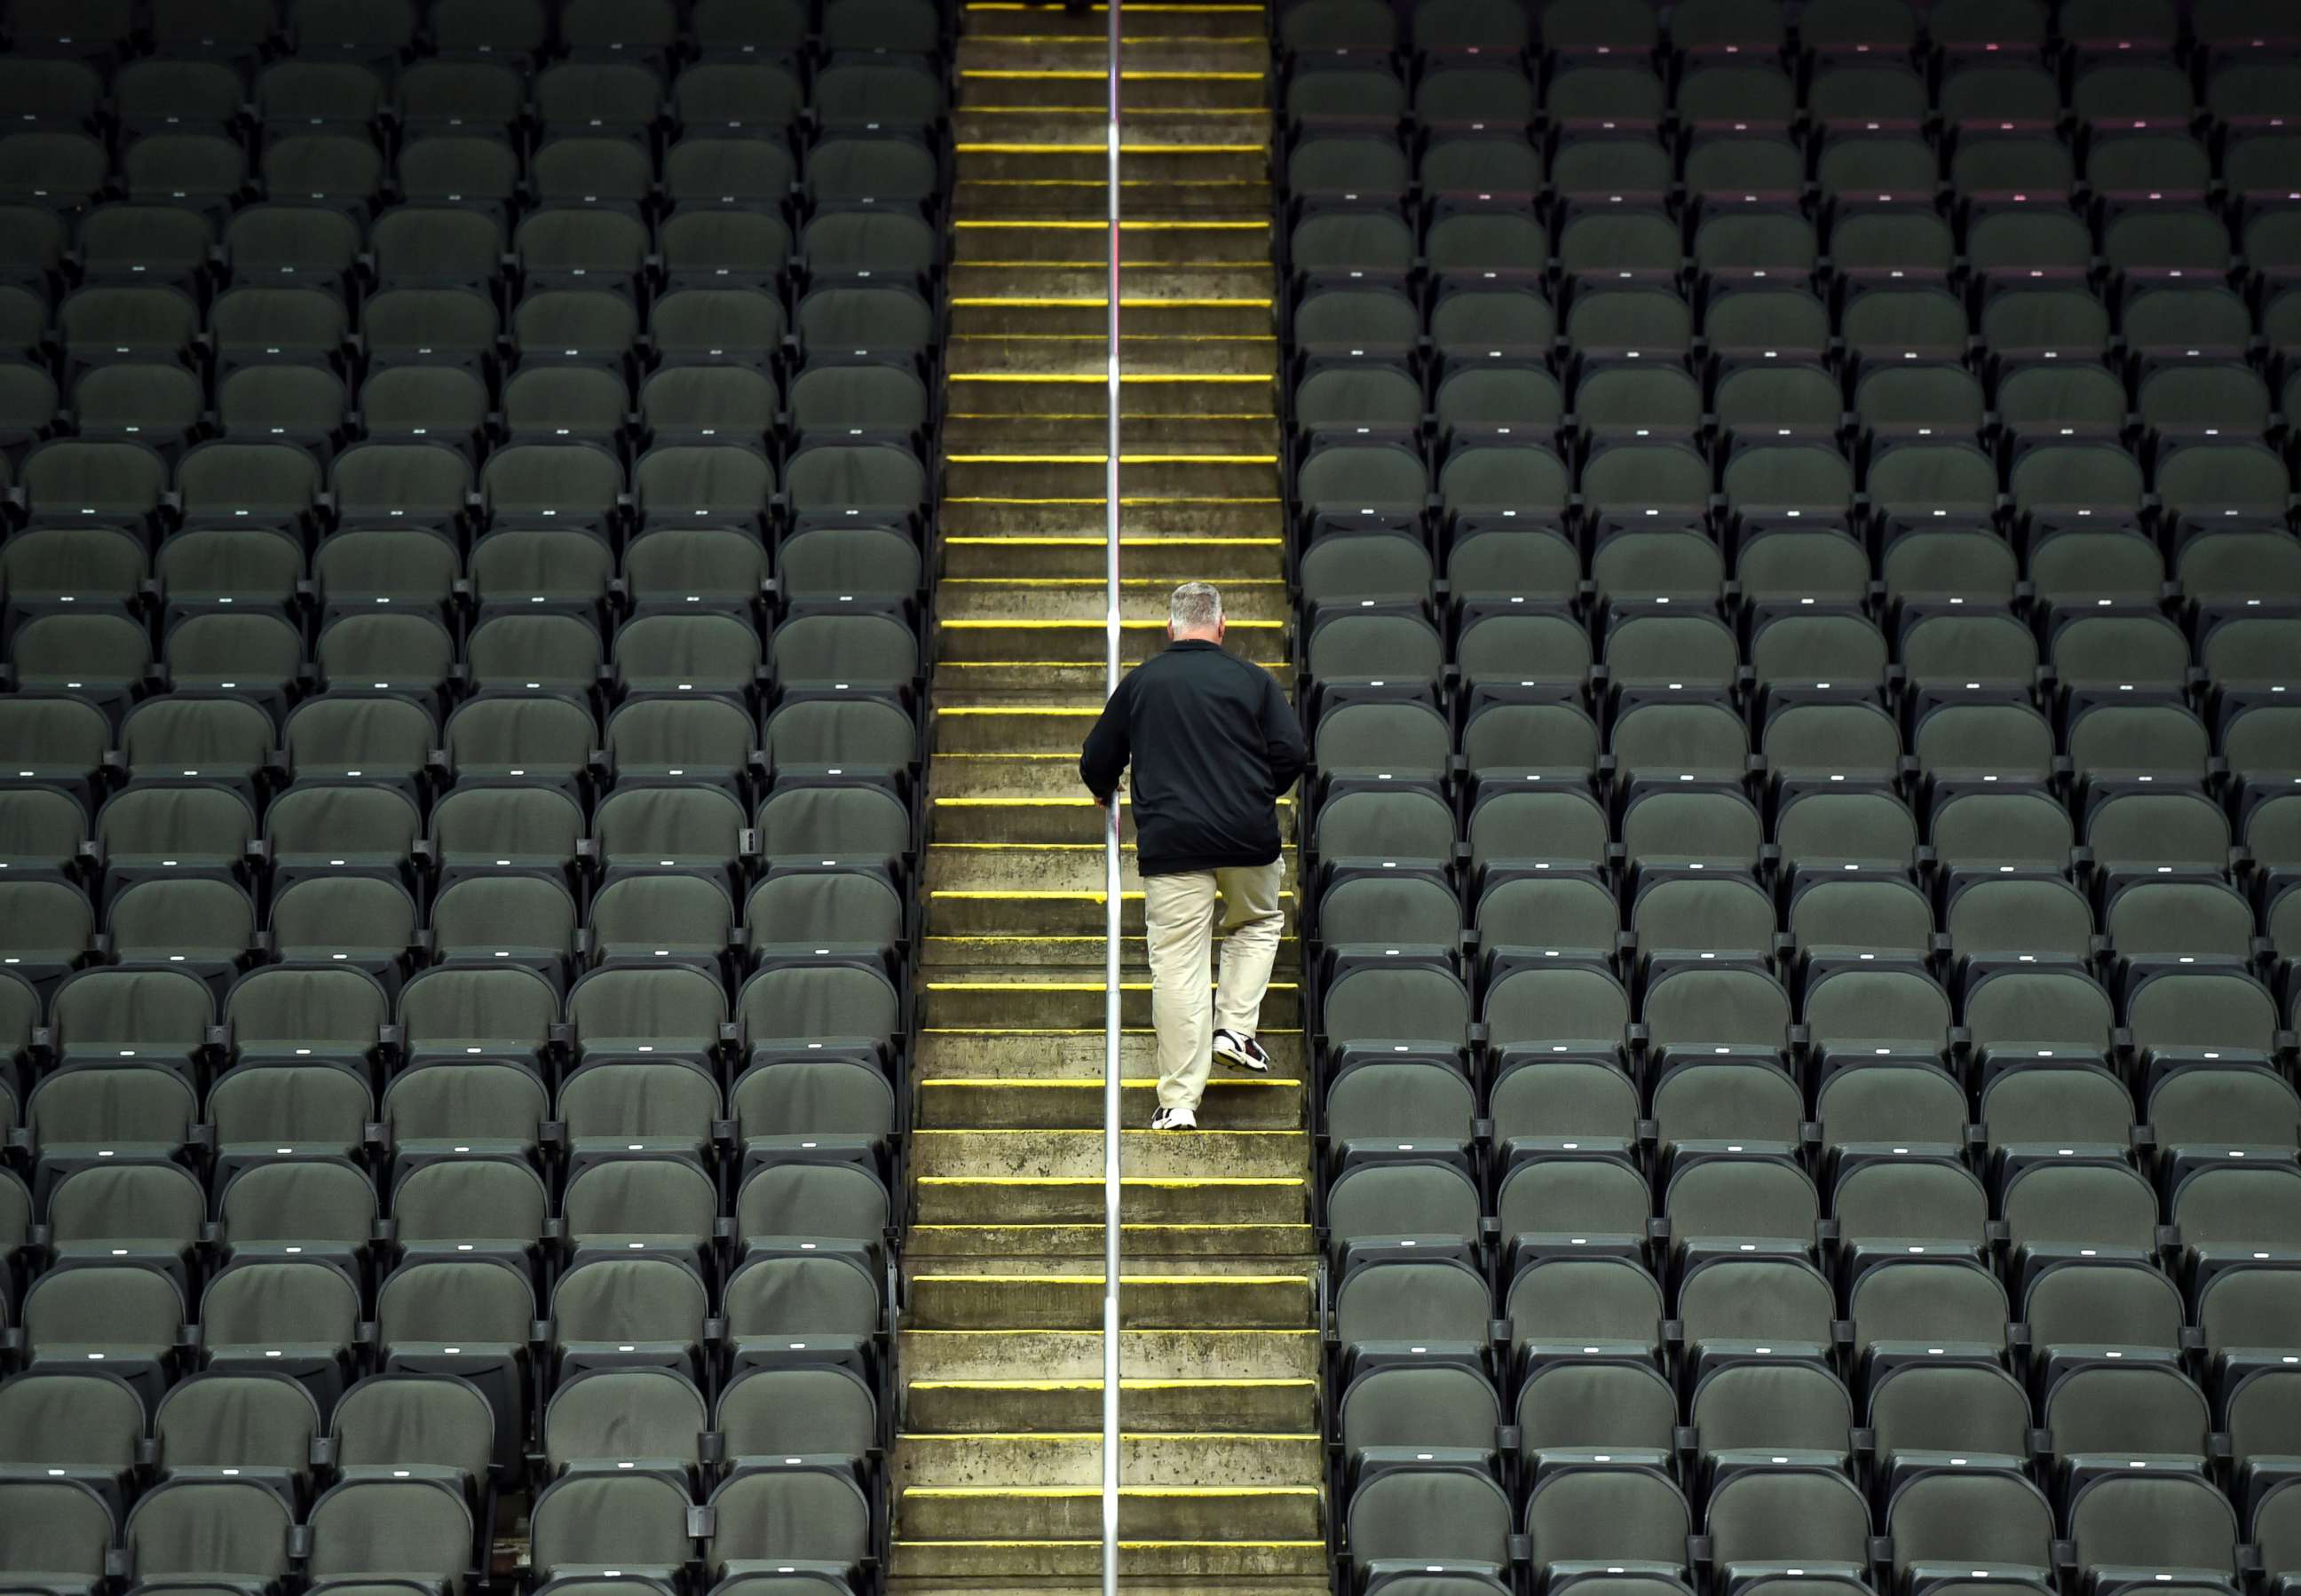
(1195, 606)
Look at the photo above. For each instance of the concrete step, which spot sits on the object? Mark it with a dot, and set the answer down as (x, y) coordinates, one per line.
(1074, 1302)
(1163, 561)
(1145, 1512)
(1041, 399)
(988, 53)
(982, 241)
(1074, 198)
(994, 1005)
(964, 682)
(1008, 19)
(1253, 354)
(1042, 433)
(968, 1202)
(1141, 92)
(1044, 1056)
(989, 517)
(1053, 773)
(1151, 1456)
(1027, 478)
(1149, 1244)
(977, 1054)
(1075, 818)
(1141, 277)
(1015, 729)
(986, 866)
(920, 1585)
(1083, 641)
(1171, 130)
(1070, 1355)
(961, 911)
(1232, 1101)
(1143, 1155)
(996, 1562)
(1140, 319)
(1009, 729)
(1019, 596)
(978, 1408)
(1026, 951)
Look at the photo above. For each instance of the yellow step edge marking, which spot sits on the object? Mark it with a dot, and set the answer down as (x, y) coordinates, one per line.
(1032, 1083)
(1073, 74)
(1133, 267)
(1027, 895)
(1123, 1546)
(1295, 1437)
(1074, 1131)
(1009, 1034)
(1080, 938)
(1298, 1330)
(1031, 418)
(990, 1227)
(1239, 41)
(1098, 626)
(1148, 541)
(1241, 112)
(994, 147)
(1124, 1279)
(1030, 803)
(988, 499)
(1238, 192)
(1034, 664)
(1123, 459)
(1062, 986)
(1100, 300)
(1143, 7)
(1073, 1030)
(1123, 182)
(1066, 1493)
(1125, 1383)
(1082, 582)
(1179, 1183)
(1081, 338)
(1104, 377)
(1103, 227)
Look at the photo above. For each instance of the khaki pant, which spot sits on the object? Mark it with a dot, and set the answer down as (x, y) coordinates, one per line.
(1178, 912)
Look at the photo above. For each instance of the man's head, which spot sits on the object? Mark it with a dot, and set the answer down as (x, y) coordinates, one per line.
(1195, 613)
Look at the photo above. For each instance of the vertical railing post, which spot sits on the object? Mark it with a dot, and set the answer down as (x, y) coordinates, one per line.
(1110, 1003)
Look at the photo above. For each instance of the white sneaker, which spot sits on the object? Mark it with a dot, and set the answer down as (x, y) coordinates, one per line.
(1241, 1052)
(1175, 1119)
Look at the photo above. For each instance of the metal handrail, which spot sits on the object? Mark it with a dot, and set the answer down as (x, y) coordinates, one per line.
(1110, 1015)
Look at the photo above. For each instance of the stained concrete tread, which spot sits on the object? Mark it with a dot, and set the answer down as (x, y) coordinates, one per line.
(1137, 1586)
(997, 1461)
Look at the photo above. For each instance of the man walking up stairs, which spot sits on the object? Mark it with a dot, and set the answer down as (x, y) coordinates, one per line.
(997, 1464)
(1209, 743)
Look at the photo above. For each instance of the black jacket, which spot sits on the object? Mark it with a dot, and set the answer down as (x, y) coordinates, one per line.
(1214, 743)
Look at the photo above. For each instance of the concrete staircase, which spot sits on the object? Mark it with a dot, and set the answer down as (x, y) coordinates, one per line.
(997, 1466)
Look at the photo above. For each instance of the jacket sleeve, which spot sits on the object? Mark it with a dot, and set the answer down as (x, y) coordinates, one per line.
(1104, 756)
(1282, 738)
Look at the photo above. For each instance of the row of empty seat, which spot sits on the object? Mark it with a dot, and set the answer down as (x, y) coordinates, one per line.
(517, 30)
(1795, 596)
(452, 1064)
(1699, 29)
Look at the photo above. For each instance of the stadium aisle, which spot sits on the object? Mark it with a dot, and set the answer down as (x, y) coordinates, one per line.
(997, 1466)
